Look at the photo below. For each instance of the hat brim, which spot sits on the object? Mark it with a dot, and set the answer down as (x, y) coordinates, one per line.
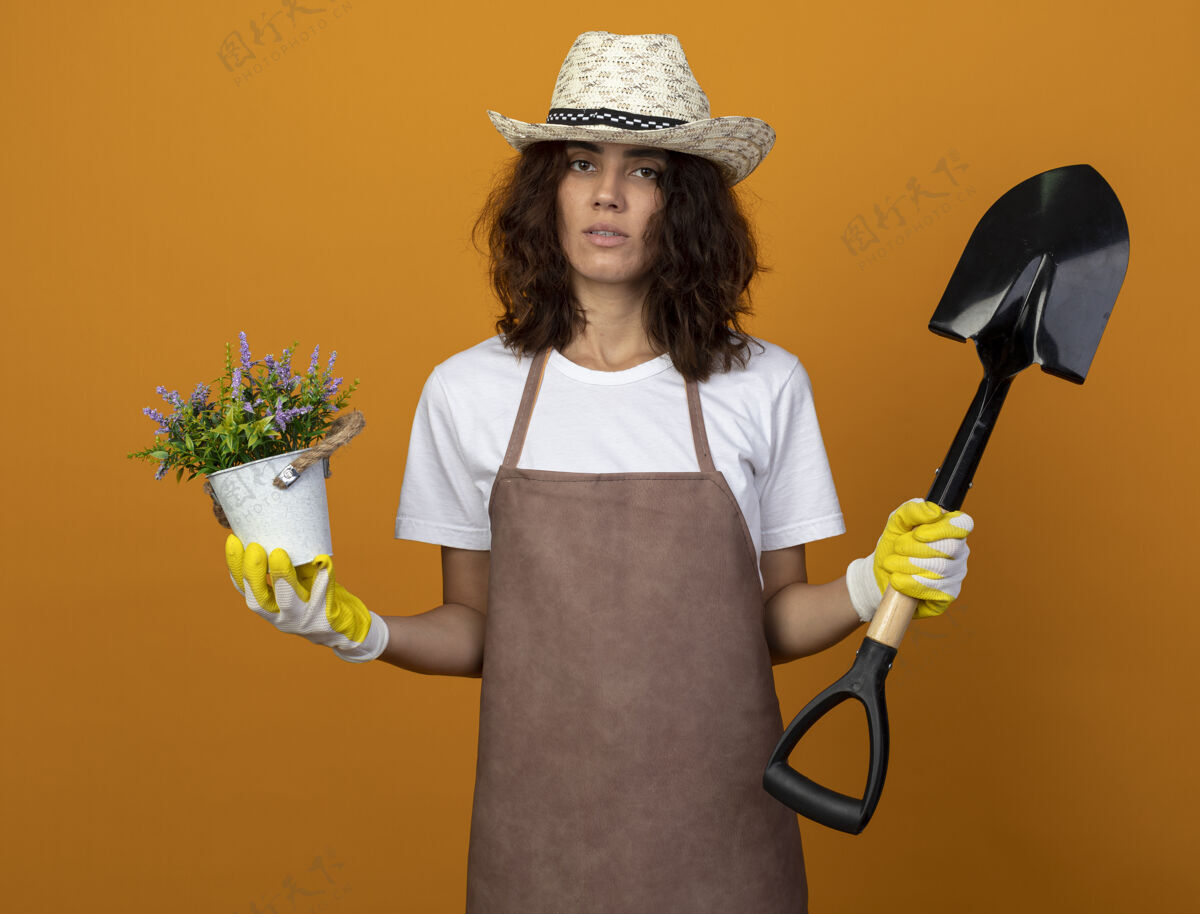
(736, 144)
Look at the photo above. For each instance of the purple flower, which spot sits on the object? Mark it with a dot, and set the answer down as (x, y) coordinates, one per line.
(236, 384)
(158, 417)
(332, 359)
(245, 352)
(161, 471)
(200, 395)
(284, 416)
(285, 368)
(331, 388)
(171, 396)
(312, 364)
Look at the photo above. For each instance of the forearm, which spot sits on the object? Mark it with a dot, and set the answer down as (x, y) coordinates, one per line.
(803, 619)
(445, 641)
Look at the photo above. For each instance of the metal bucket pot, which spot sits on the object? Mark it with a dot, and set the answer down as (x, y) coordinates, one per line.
(295, 519)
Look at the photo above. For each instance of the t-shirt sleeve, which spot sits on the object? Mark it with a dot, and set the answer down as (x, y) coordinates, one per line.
(798, 498)
(440, 500)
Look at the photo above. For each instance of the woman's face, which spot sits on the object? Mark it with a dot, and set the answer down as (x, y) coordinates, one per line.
(605, 202)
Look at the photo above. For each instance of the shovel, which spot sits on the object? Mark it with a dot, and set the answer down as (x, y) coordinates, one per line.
(1036, 283)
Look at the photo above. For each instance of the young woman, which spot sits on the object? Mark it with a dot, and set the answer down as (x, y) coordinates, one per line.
(622, 482)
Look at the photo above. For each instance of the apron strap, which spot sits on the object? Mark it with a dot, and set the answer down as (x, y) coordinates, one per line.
(699, 435)
(533, 382)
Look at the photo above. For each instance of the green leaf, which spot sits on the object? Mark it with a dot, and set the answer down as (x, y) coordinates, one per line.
(157, 455)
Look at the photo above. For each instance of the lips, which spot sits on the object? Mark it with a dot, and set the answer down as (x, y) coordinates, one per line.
(604, 230)
(605, 235)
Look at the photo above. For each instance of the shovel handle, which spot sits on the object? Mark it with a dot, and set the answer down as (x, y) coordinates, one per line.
(864, 682)
(891, 618)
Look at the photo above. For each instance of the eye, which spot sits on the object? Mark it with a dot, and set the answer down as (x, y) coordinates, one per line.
(580, 165)
(647, 172)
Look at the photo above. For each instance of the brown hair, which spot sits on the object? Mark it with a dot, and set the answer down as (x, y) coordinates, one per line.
(706, 257)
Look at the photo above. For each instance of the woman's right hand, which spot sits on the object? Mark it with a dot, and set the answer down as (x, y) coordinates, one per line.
(305, 601)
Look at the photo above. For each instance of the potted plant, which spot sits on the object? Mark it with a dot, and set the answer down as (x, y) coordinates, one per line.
(252, 441)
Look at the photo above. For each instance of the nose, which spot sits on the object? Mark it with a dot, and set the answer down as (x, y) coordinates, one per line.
(609, 191)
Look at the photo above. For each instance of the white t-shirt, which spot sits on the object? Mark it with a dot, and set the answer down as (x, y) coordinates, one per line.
(761, 424)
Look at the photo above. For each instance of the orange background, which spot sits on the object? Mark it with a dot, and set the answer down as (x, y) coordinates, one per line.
(166, 750)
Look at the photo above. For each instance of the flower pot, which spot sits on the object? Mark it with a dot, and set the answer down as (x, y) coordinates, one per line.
(295, 519)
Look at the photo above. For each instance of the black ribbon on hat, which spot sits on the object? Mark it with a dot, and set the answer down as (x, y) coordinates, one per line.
(607, 117)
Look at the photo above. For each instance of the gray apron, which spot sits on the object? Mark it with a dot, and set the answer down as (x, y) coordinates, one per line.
(627, 706)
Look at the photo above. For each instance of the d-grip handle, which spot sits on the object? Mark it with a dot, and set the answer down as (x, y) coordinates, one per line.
(863, 682)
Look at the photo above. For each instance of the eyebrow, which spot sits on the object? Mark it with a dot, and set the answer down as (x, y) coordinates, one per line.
(629, 153)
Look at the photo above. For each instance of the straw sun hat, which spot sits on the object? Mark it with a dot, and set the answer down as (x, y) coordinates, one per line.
(639, 89)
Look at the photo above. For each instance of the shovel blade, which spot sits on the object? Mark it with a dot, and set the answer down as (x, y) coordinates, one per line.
(1066, 224)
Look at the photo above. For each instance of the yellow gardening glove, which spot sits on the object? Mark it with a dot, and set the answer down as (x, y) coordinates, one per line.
(922, 554)
(305, 601)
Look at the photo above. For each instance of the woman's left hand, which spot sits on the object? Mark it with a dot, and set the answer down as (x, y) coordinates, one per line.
(922, 554)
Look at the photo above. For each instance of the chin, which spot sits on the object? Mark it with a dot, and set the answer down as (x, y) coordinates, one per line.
(612, 274)
(613, 279)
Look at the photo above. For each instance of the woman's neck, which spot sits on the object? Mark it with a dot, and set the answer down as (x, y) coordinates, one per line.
(615, 336)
